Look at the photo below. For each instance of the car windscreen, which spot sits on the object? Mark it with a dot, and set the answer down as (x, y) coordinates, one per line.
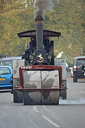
(80, 62)
(7, 63)
(4, 71)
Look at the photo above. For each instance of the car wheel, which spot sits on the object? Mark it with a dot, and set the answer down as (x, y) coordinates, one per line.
(74, 79)
(17, 96)
(63, 94)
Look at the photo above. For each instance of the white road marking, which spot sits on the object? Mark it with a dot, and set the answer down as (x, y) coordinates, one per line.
(35, 108)
(50, 121)
(46, 108)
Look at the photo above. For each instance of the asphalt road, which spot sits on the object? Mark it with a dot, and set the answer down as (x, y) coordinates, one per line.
(69, 113)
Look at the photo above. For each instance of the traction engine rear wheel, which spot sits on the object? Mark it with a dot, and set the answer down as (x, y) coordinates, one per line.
(17, 96)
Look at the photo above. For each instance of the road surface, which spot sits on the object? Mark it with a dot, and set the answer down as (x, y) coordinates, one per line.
(69, 113)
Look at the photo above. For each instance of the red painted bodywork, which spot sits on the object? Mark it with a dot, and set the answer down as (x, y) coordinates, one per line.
(41, 67)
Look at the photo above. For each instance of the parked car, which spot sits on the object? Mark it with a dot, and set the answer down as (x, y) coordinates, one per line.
(8, 61)
(6, 75)
(79, 68)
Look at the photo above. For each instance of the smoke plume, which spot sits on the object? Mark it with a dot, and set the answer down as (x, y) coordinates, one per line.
(42, 6)
(76, 101)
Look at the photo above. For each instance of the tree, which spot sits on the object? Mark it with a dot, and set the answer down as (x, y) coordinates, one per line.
(67, 17)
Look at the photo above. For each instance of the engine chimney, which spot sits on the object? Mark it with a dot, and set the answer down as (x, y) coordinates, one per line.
(40, 53)
(39, 31)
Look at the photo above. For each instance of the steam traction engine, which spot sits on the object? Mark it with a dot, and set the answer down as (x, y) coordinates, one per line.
(36, 80)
